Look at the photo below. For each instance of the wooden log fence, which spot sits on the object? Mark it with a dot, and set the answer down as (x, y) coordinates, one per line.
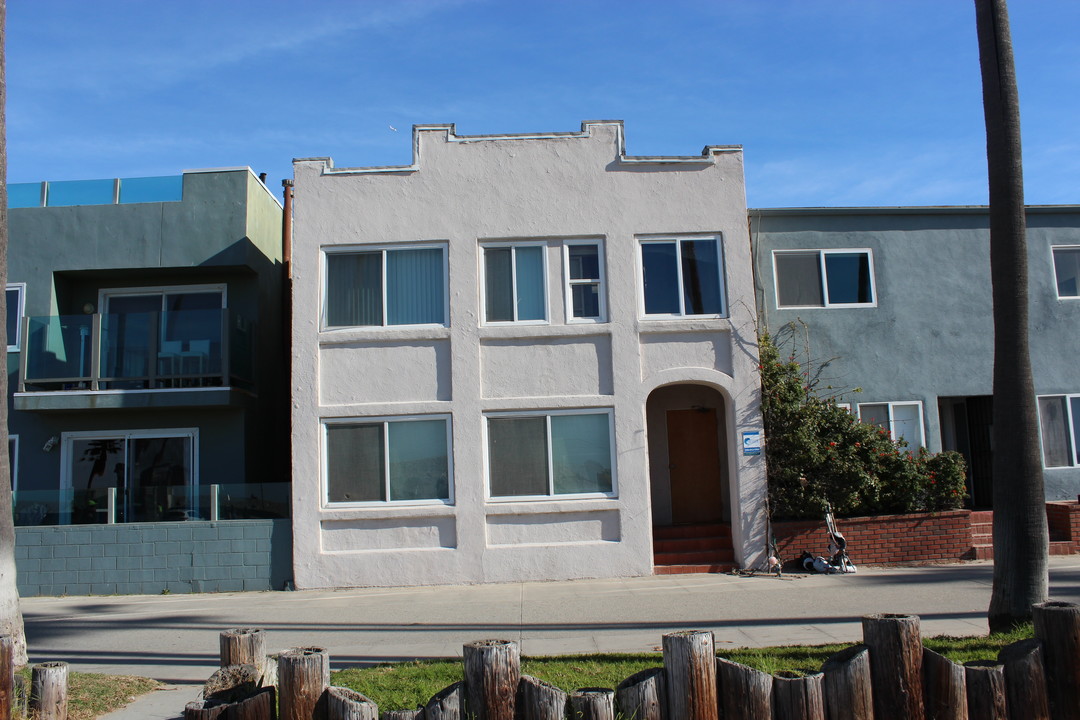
(890, 677)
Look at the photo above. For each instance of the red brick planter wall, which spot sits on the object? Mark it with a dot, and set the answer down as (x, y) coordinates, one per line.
(884, 540)
(1064, 521)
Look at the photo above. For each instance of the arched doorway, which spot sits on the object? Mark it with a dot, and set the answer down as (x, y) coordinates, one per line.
(688, 473)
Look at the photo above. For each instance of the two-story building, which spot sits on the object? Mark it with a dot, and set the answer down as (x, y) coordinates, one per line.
(515, 357)
(145, 363)
(898, 301)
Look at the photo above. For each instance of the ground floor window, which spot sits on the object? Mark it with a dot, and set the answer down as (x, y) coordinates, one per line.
(399, 459)
(900, 419)
(1059, 421)
(550, 453)
(153, 471)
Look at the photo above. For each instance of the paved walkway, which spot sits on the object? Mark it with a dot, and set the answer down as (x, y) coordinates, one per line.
(175, 637)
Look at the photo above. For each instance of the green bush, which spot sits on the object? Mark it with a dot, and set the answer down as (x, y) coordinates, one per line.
(818, 453)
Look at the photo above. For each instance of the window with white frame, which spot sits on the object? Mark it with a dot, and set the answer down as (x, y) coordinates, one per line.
(1067, 270)
(155, 472)
(1059, 421)
(585, 282)
(824, 278)
(515, 286)
(682, 277)
(385, 286)
(543, 454)
(900, 419)
(16, 293)
(395, 459)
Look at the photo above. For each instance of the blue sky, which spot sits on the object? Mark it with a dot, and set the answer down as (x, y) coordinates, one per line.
(836, 102)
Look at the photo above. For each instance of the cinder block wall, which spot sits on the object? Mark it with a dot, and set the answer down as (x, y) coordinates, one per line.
(151, 558)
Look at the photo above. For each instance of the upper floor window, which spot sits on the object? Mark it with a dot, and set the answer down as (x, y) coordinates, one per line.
(540, 454)
(1059, 421)
(683, 277)
(387, 459)
(15, 297)
(900, 419)
(824, 278)
(585, 282)
(385, 286)
(515, 287)
(1067, 270)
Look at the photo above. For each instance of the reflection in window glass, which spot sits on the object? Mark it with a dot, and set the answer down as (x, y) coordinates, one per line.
(514, 284)
(581, 453)
(1067, 271)
(517, 453)
(583, 269)
(387, 460)
(798, 280)
(823, 278)
(413, 293)
(14, 299)
(682, 277)
(848, 278)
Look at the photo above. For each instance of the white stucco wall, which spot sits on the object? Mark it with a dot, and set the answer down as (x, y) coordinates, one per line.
(461, 192)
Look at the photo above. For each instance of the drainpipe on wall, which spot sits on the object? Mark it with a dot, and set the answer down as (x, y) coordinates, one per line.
(286, 314)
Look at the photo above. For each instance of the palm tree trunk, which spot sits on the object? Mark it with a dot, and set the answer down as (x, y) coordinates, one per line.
(11, 622)
(1020, 532)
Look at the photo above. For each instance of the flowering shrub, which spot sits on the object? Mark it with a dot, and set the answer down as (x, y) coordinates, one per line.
(817, 452)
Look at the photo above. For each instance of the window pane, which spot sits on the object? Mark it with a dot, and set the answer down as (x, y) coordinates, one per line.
(418, 460)
(529, 264)
(155, 466)
(354, 463)
(1074, 406)
(905, 424)
(13, 317)
(584, 262)
(1067, 269)
(581, 453)
(660, 275)
(1057, 449)
(517, 450)
(848, 278)
(498, 285)
(875, 415)
(414, 287)
(353, 289)
(586, 300)
(798, 280)
(701, 277)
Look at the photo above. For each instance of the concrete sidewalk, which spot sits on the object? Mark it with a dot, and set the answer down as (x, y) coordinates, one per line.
(174, 638)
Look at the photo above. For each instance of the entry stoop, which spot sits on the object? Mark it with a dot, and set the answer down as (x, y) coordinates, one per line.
(679, 549)
(982, 538)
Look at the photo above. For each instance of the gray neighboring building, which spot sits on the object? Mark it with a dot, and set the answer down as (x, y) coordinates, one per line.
(146, 359)
(899, 299)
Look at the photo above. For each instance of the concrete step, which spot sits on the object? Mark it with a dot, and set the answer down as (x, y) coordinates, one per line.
(986, 551)
(705, 557)
(690, 569)
(669, 532)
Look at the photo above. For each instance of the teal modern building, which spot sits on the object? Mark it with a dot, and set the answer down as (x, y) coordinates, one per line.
(147, 370)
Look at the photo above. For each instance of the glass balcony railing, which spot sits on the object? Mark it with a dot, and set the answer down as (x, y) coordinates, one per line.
(106, 506)
(114, 191)
(137, 351)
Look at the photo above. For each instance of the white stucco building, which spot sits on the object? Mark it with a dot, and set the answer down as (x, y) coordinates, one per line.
(516, 356)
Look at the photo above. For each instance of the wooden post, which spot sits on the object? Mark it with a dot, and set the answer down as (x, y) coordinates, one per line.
(402, 715)
(232, 683)
(1057, 624)
(303, 676)
(690, 674)
(492, 673)
(643, 695)
(745, 693)
(346, 704)
(592, 704)
(985, 680)
(205, 710)
(896, 653)
(48, 691)
(944, 688)
(847, 685)
(799, 698)
(1025, 680)
(447, 704)
(7, 676)
(260, 706)
(243, 646)
(539, 700)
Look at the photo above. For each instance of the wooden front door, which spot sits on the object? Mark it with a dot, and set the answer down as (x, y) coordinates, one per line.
(694, 466)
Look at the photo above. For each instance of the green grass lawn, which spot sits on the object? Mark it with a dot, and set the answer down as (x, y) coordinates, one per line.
(408, 685)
